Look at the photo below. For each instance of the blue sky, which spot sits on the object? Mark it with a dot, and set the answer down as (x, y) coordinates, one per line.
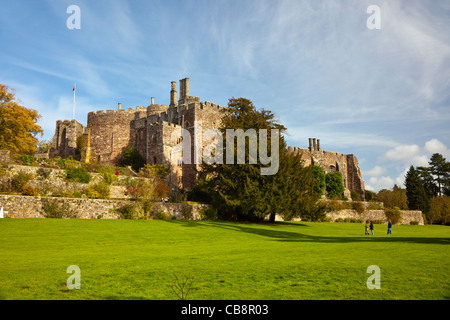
(380, 94)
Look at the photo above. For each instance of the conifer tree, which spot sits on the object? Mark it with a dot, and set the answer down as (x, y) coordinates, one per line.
(440, 170)
(415, 192)
(240, 191)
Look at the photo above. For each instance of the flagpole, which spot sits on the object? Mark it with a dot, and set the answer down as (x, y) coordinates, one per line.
(74, 89)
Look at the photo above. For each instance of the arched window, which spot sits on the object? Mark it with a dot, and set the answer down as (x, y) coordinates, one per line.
(154, 138)
(331, 168)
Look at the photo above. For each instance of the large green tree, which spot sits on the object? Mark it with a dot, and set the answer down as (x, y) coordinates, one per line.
(18, 125)
(415, 192)
(439, 168)
(240, 190)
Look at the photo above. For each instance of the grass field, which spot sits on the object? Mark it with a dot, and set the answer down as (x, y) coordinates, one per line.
(137, 259)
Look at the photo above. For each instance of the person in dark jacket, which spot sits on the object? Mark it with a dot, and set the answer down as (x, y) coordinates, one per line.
(389, 227)
(371, 227)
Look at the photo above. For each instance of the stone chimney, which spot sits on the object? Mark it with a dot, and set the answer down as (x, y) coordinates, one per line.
(120, 106)
(318, 145)
(310, 144)
(184, 88)
(314, 144)
(153, 100)
(173, 94)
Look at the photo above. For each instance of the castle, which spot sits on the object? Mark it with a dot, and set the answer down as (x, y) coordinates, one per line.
(149, 130)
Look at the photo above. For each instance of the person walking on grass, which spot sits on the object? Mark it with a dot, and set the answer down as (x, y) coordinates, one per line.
(389, 227)
(371, 227)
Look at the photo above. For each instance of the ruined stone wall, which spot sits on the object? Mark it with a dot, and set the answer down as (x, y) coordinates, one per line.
(331, 161)
(64, 142)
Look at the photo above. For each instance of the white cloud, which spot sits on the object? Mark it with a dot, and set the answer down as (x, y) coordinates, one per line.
(378, 183)
(402, 152)
(375, 171)
(435, 146)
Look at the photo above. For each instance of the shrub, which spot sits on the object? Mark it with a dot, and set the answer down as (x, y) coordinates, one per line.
(375, 205)
(54, 209)
(132, 157)
(108, 174)
(27, 159)
(99, 190)
(44, 173)
(29, 191)
(102, 189)
(19, 181)
(78, 175)
(335, 185)
(439, 210)
(336, 205)
(414, 223)
(127, 211)
(355, 195)
(160, 215)
(393, 214)
(319, 180)
(358, 207)
(208, 213)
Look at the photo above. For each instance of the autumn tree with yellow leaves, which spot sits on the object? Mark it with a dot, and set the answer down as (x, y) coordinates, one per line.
(18, 125)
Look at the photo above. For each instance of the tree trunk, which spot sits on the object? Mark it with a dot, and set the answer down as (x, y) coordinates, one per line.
(272, 218)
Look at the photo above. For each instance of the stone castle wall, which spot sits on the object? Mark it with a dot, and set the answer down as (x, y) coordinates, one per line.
(149, 130)
(64, 142)
(331, 161)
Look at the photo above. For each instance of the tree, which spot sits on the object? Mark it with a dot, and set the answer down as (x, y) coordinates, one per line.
(240, 191)
(440, 170)
(334, 185)
(415, 192)
(18, 125)
(393, 198)
(431, 189)
(131, 157)
(439, 210)
(319, 178)
(369, 195)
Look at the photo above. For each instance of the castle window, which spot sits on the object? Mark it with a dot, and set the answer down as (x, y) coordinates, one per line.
(154, 138)
(186, 125)
(154, 160)
(331, 168)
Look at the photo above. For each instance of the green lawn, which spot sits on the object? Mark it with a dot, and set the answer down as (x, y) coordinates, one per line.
(137, 259)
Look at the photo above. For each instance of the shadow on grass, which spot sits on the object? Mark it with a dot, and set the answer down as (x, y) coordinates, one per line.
(289, 236)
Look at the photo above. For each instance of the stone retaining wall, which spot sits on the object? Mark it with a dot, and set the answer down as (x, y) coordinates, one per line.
(31, 207)
(376, 215)
(15, 206)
